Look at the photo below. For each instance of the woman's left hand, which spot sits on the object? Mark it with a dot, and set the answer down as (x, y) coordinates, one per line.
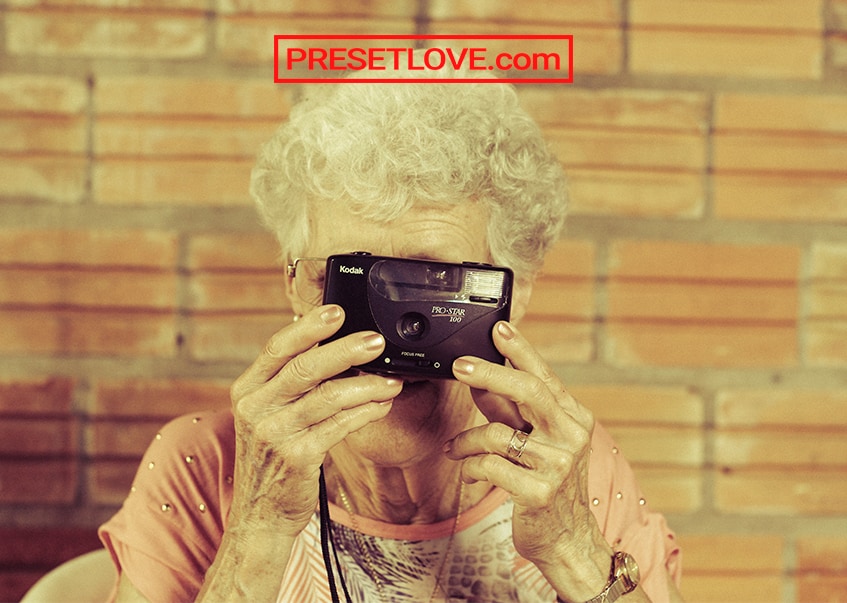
(546, 473)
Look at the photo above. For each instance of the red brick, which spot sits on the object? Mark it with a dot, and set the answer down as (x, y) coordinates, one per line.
(191, 96)
(735, 53)
(117, 439)
(826, 342)
(826, 323)
(565, 301)
(72, 332)
(107, 482)
(353, 8)
(140, 398)
(44, 482)
(837, 50)
(721, 568)
(827, 554)
(660, 445)
(28, 553)
(775, 197)
(565, 285)
(234, 252)
(37, 437)
(617, 109)
(816, 588)
(237, 292)
(707, 14)
(781, 408)
(733, 553)
(43, 134)
(237, 337)
(150, 137)
(583, 148)
(130, 5)
(75, 288)
(15, 583)
(710, 345)
(785, 493)
(569, 260)
(107, 34)
(55, 178)
(559, 341)
(248, 39)
(700, 304)
(598, 49)
(622, 192)
(43, 94)
(671, 489)
(828, 261)
(45, 546)
(702, 301)
(92, 248)
(627, 404)
(534, 11)
(704, 261)
(838, 11)
(780, 153)
(808, 451)
(168, 181)
(780, 113)
(33, 396)
(827, 300)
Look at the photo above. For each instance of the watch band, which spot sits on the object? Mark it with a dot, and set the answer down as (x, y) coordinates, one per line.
(612, 592)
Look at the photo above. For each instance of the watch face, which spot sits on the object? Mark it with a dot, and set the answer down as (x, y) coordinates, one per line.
(631, 568)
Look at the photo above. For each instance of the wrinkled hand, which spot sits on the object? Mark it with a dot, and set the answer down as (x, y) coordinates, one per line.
(552, 522)
(291, 407)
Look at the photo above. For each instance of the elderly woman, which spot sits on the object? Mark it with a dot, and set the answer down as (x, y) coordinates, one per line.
(434, 490)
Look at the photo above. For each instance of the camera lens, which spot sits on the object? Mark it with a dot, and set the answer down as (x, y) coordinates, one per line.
(412, 326)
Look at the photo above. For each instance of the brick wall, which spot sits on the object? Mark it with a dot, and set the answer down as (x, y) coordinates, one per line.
(697, 302)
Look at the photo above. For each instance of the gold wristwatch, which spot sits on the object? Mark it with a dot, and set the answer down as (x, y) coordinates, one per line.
(623, 578)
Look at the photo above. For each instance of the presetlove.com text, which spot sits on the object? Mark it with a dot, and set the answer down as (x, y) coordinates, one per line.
(535, 58)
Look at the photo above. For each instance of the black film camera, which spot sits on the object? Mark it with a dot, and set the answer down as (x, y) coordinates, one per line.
(430, 313)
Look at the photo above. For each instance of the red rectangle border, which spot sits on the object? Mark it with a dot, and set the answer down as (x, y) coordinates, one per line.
(521, 80)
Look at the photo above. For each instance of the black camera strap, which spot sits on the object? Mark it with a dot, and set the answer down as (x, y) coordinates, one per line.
(328, 541)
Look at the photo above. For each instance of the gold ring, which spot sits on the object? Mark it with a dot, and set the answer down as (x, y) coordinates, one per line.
(517, 444)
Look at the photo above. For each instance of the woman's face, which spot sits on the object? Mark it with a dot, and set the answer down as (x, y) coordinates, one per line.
(430, 410)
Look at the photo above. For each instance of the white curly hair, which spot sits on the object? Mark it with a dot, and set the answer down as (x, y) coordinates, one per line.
(382, 148)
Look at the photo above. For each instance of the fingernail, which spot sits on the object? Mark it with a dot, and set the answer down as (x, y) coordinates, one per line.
(331, 314)
(465, 367)
(447, 447)
(505, 330)
(374, 341)
(393, 382)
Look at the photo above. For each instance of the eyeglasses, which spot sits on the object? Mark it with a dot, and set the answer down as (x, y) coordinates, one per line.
(308, 275)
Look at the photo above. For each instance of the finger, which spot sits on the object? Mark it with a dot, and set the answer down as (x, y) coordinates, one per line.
(533, 399)
(495, 439)
(526, 358)
(286, 343)
(335, 396)
(315, 440)
(521, 483)
(313, 367)
(498, 409)
(336, 428)
(521, 354)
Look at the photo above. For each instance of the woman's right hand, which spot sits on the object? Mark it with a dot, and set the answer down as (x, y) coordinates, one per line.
(291, 407)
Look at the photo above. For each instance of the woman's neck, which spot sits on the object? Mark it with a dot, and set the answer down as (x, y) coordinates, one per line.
(420, 487)
(418, 494)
